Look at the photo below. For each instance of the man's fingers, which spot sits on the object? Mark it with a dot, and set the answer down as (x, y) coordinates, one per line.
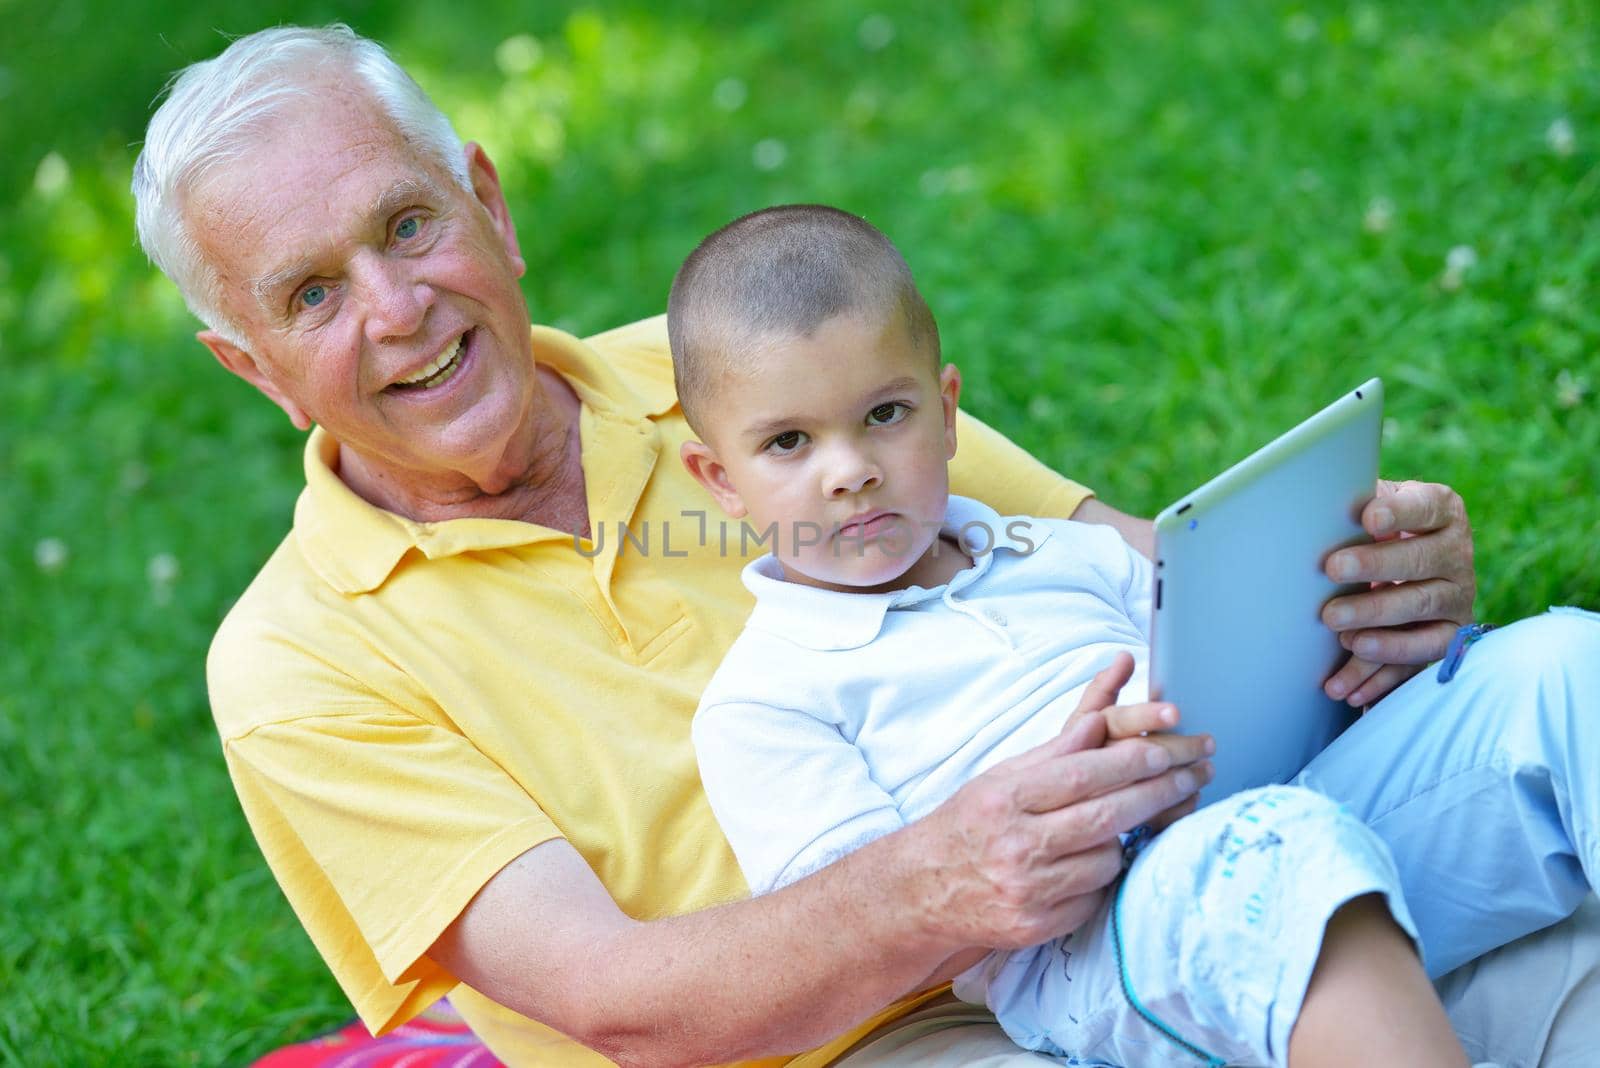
(1427, 556)
(1051, 780)
(1103, 688)
(1413, 506)
(1182, 748)
(1074, 910)
(1130, 721)
(1162, 820)
(1084, 872)
(1388, 605)
(1351, 674)
(1381, 683)
(1419, 643)
(1100, 819)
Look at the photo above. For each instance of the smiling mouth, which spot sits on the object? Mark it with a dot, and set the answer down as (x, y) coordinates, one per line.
(439, 371)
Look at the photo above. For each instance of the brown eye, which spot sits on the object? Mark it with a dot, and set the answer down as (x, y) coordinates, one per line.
(885, 414)
(788, 441)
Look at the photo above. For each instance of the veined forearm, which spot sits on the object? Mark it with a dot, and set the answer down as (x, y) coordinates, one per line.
(776, 974)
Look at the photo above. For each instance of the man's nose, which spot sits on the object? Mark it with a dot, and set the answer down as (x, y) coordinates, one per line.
(852, 471)
(397, 302)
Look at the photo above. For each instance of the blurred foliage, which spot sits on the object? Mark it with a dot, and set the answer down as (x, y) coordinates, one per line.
(1155, 234)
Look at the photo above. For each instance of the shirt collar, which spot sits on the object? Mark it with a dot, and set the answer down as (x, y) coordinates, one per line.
(827, 620)
(355, 546)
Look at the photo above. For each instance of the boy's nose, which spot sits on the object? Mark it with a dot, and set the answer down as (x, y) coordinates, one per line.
(853, 474)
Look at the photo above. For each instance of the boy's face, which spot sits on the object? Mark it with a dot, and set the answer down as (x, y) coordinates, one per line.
(841, 441)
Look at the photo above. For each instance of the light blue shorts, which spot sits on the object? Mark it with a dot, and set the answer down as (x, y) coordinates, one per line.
(1204, 951)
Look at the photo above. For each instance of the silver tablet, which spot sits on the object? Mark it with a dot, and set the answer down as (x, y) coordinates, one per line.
(1237, 639)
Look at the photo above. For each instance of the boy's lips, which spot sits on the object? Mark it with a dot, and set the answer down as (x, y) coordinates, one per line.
(868, 524)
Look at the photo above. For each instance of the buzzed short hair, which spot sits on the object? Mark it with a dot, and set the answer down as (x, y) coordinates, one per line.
(781, 273)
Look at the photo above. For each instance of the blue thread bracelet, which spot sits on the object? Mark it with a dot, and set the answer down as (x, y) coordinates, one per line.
(1459, 645)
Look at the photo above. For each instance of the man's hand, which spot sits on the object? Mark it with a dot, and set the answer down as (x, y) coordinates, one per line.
(1422, 588)
(1147, 721)
(1029, 847)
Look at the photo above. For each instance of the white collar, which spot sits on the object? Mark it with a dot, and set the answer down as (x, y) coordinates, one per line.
(828, 620)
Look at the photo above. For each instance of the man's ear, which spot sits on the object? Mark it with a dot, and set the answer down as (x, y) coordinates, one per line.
(709, 472)
(244, 365)
(486, 187)
(949, 394)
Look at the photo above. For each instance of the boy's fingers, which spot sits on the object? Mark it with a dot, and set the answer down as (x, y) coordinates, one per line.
(1130, 721)
(1102, 690)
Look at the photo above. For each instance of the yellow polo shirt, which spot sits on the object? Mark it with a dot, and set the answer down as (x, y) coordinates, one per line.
(406, 707)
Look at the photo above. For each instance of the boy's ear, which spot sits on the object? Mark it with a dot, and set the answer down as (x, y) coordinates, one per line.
(709, 472)
(949, 394)
(244, 365)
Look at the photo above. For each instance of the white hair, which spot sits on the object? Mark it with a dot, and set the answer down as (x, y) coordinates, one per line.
(214, 107)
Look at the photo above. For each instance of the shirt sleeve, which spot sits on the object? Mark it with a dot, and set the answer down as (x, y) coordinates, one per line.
(1138, 596)
(829, 805)
(988, 467)
(380, 827)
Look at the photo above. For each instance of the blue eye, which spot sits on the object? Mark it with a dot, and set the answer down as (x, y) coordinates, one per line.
(314, 295)
(408, 228)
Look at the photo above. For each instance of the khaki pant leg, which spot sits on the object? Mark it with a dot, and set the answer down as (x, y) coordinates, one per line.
(1536, 1002)
(945, 1033)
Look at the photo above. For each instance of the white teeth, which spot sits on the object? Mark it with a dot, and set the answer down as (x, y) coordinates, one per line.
(443, 360)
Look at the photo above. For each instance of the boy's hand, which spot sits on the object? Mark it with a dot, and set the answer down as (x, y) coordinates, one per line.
(1149, 720)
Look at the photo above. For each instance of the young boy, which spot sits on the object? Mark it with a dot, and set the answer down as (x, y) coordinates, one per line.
(905, 640)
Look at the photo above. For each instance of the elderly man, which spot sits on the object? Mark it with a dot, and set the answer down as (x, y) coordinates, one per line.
(455, 702)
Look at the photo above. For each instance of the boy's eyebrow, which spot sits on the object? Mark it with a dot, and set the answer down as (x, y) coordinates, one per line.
(767, 427)
(403, 193)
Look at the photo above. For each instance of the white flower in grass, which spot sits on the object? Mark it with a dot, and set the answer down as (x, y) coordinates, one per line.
(875, 32)
(1457, 262)
(932, 182)
(1379, 215)
(50, 555)
(1569, 389)
(162, 570)
(730, 94)
(1300, 27)
(518, 55)
(1366, 24)
(134, 477)
(1560, 137)
(52, 175)
(769, 154)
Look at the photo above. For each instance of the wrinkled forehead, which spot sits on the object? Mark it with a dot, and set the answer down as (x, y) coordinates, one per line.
(300, 182)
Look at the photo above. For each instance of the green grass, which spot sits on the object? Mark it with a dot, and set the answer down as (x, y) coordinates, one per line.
(1155, 235)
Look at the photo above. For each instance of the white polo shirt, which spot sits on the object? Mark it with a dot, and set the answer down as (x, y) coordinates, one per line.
(839, 717)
